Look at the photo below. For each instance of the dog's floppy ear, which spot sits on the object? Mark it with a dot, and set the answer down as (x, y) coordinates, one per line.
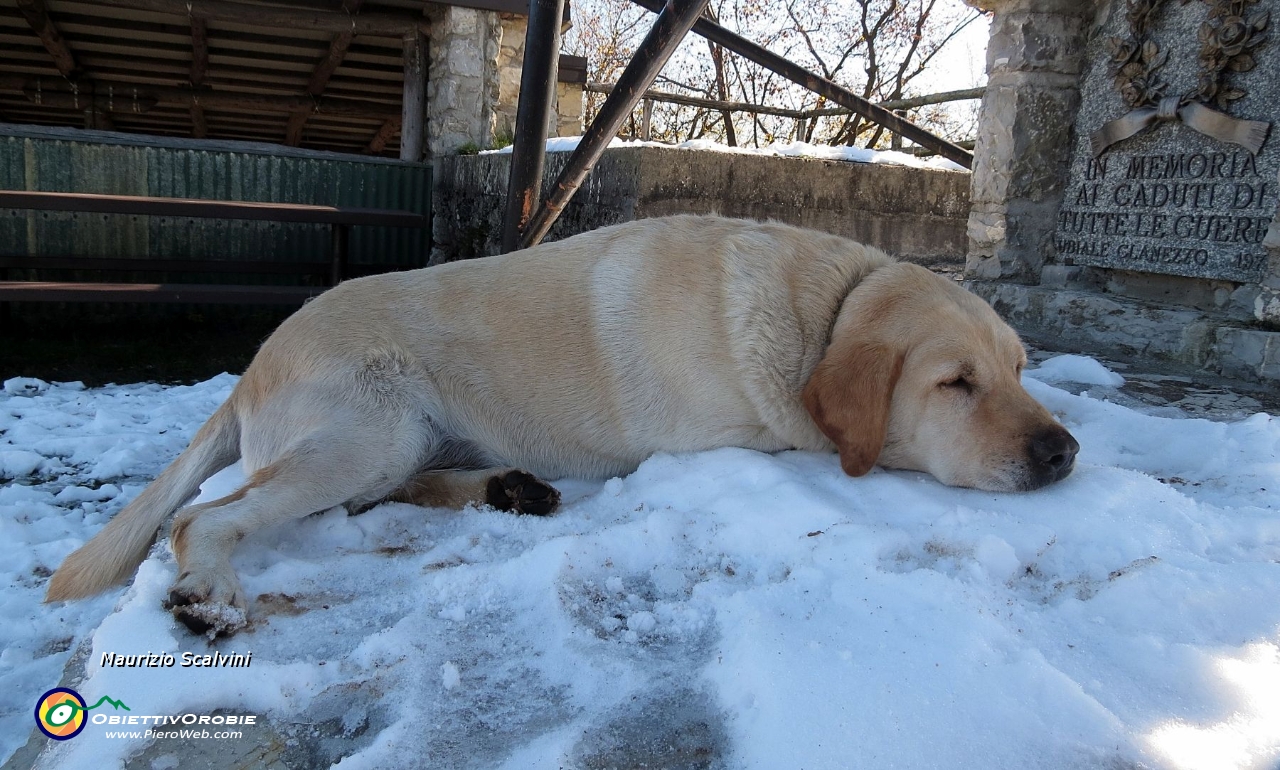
(848, 398)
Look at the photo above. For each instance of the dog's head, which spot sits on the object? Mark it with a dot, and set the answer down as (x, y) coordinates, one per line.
(922, 375)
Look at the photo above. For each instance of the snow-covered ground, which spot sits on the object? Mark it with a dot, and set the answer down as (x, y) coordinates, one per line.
(783, 149)
(727, 609)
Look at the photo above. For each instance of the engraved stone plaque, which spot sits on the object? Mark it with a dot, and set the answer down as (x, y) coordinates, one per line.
(1176, 159)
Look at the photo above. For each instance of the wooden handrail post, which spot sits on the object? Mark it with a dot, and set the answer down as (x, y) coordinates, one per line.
(895, 139)
(646, 118)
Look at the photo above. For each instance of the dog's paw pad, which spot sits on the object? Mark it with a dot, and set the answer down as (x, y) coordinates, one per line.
(207, 618)
(521, 492)
(205, 614)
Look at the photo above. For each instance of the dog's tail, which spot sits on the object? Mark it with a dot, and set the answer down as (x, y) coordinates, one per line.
(115, 552)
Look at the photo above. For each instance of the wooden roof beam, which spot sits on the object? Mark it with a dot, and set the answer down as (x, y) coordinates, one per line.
(199, 124)
(288, 17)
(379, 141)
(134, 98)
(293, 131)
(98, 119)
(37, 16)
(199, 51)
(106, 100)
(321, 74)
(199, 69)
(330, 63)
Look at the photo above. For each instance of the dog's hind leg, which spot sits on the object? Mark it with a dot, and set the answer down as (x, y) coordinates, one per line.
(355, 454)
(207, 594)
(506, 489)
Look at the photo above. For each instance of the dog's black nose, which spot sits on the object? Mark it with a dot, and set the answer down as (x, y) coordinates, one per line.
(1055, 449)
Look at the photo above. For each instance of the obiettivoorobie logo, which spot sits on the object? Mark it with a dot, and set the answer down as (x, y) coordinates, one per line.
(60, 713)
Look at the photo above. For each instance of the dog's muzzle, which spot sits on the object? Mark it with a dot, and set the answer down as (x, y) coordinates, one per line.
(1052, 456)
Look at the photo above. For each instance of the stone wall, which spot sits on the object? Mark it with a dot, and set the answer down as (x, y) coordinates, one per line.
(918, 214)
(566, 117)
(462, 78)
(569, 107)
(473, 87)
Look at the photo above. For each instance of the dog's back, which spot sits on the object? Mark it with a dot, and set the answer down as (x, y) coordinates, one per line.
(583, 357)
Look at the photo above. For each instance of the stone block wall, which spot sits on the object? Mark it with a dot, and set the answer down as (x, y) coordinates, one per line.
(566, 117)
(918, 214)
(473, 86)
(462, 79)
(569, 106)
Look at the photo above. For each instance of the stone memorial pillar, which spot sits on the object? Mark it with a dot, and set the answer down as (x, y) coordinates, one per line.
(1267, 304)
(1125, 182)
(1022, 149)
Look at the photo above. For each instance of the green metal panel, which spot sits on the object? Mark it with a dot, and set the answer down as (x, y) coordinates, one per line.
(68, 160)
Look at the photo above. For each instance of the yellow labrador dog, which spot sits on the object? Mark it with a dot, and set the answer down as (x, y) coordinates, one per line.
(476, 381)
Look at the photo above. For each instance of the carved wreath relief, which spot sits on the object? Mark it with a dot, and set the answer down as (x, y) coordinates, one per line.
(1230, 35)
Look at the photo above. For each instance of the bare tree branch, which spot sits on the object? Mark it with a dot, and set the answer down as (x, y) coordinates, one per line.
(877, 48)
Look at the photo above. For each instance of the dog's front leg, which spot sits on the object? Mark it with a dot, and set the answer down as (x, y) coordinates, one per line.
(506, 489)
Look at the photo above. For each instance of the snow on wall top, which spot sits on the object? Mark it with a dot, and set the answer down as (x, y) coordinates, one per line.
(780, 149)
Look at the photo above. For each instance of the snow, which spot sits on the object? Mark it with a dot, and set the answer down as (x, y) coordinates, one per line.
(765, 608)
(165, 762)
(450, 677)
(779, 149)
(1081, 369)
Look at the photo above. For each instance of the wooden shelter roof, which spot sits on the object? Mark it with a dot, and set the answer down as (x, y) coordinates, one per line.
(324, 74)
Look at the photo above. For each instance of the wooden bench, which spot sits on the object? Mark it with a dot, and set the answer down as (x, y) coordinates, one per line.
(330, 273)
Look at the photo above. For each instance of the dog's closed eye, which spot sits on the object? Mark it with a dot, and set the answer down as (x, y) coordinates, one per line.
(960, 383)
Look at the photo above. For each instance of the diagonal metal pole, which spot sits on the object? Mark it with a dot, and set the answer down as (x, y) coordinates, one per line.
(533, 113)
(672, 24)
(820, 85)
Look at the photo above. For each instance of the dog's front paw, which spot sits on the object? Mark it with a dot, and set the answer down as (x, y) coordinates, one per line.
(521, 492)
(209, 603)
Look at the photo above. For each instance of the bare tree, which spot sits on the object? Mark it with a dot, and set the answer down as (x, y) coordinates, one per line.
(877, 48)
(606, 32)
(720, 84)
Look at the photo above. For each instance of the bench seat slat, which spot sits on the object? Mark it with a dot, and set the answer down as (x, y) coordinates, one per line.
(47, 291)
(207, 209)
(145, 264)
(339, 218)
